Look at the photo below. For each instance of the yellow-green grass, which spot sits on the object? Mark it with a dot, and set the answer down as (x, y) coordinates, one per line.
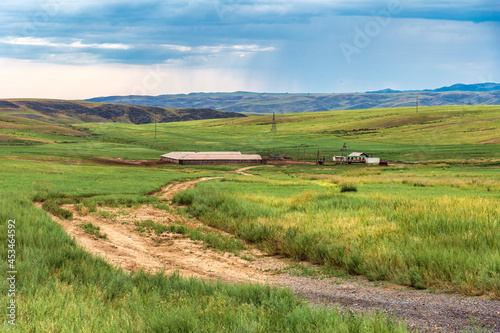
(435, 133)
(430, 226)
(450, 133)
(400, 225)
(61, 288)
(30, 127)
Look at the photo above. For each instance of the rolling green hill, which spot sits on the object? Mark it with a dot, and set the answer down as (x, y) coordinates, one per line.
(52, 120)
(446, 133)
(434, 133)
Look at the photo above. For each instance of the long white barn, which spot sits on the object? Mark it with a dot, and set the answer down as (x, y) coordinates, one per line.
(211, 157)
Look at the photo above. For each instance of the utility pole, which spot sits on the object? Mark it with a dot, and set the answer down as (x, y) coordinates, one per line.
(344, 151)
(273, 124)
(462, 154)
(417, 104)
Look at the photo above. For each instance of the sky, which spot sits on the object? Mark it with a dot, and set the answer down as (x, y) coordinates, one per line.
(77, 49)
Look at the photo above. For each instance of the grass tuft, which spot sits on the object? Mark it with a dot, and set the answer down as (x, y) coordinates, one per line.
(94, 230)
(52, 207)
(348, 188)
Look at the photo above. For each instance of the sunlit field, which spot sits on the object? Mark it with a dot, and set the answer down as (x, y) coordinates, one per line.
(429, 220)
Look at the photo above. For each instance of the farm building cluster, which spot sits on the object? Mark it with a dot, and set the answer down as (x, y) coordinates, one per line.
(357, 157)
(229, 157)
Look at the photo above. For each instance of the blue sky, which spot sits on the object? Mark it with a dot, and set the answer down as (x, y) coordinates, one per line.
(76, 49)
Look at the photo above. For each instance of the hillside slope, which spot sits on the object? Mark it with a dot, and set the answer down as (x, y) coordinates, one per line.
(434, 133)
(98, 112)
(53, 119)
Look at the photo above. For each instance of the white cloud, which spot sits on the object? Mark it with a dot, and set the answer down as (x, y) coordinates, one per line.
(219, 48)
(47, 80)
(32, 41)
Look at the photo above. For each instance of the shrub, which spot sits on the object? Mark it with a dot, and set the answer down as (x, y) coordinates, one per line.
(348, 188)
(81, 209)
(52, 207)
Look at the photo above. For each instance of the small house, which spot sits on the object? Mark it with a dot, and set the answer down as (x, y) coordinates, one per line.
(356, 157)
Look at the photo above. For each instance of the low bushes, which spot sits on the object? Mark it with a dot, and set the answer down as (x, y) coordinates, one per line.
(52, 207)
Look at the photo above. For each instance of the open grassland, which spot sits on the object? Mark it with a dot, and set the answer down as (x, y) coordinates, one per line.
(449, 134)
(434, 133)
(432, 226)
(62, 288)
(419, 226)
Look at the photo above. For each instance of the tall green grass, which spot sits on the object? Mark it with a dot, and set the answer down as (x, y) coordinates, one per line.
(62, 288)
(211, 239)
(425, 238)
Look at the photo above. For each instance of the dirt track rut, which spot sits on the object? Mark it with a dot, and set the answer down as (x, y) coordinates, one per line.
(125, 247)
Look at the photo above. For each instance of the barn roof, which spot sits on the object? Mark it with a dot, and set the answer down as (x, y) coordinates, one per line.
(212, 155)
(357, 154)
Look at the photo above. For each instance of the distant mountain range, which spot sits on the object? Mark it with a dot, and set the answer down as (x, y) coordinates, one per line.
(248, 102)
(489, 86)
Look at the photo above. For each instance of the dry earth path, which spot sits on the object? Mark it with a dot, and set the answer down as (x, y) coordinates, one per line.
(241, 171)
(127, 248)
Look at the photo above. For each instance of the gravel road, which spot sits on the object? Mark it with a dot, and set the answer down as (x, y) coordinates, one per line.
(424, 311)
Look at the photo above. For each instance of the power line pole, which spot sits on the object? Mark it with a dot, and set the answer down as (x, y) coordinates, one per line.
(273, 124)
(417, 104)
(344, 152)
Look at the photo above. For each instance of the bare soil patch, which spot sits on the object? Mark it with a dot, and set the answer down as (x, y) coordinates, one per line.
(120, 161)
(125, 247)
(497, 140)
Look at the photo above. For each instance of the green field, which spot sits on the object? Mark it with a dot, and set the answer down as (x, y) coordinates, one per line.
(434, 134)
(431, 225)
(62, 288)
(422, 226)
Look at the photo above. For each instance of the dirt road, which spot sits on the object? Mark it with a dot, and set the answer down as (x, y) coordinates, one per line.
(241, 171)
(127, 248)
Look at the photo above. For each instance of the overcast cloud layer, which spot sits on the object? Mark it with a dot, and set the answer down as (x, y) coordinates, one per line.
(81, 49)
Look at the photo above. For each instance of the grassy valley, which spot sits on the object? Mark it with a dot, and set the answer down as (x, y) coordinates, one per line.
(429, 221)
(432, 134)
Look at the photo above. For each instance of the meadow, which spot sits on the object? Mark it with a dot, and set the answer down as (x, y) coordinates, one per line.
(433, 134)
(61, 288)
(432, 225)
(437, 231)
